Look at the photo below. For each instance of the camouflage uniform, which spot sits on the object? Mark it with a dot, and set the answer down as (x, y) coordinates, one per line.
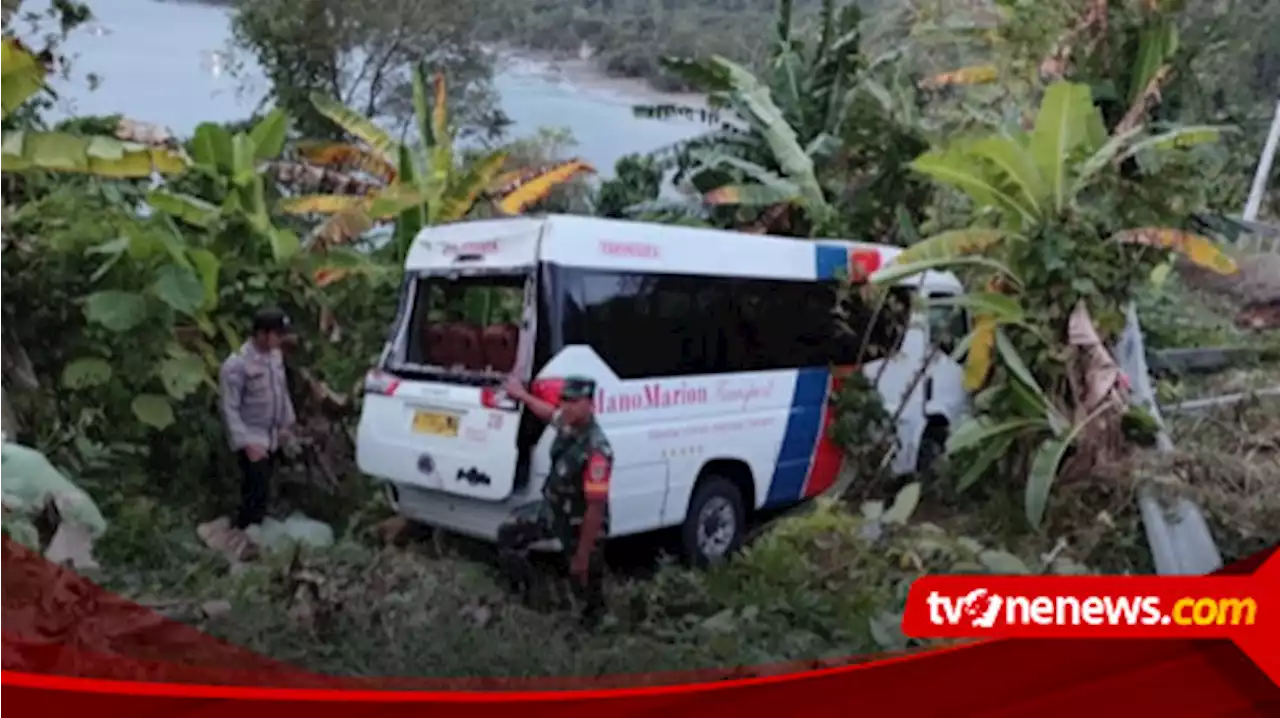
(581, 462)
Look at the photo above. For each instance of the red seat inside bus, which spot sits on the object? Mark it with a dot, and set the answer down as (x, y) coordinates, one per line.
(435, 337)
(500, 343)
(451, 344)
(464, 340)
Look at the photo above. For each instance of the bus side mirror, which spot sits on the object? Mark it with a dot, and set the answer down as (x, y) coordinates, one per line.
(946, 343)
(947, 325)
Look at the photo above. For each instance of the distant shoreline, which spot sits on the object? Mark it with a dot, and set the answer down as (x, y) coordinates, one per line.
(586, 75)
(582, 73)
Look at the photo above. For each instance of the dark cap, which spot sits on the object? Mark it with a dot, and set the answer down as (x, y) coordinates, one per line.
(578, 387)
(272, 320)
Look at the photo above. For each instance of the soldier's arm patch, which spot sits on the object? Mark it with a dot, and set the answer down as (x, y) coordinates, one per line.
(595, 482)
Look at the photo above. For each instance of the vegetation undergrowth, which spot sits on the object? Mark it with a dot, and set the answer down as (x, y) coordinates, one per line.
(825, 584)
(1228, 460)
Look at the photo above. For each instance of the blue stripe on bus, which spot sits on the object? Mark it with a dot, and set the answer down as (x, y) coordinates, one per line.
(803, 425)
(807, 402)
(830, 261)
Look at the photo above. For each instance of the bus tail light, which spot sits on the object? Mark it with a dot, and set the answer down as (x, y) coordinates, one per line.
(377, 382)
(494, 398)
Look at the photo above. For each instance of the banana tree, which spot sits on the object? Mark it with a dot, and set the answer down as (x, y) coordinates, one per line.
(381, 180)
(762, 156)
(22, 75)
(212, 230)
(1052, 259)
(233, 168)
(811, 146)
(795, 181)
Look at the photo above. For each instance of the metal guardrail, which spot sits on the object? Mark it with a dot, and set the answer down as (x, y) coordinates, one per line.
(1209, 360)
(1243, 234)
(1206, 359)
(1178, 535)
(1196, 406)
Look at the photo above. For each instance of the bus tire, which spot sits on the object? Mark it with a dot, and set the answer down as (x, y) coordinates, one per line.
(715, 524)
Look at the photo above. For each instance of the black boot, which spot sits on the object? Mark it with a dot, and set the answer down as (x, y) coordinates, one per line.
(517, 574)
(591, 598)
(590, 617)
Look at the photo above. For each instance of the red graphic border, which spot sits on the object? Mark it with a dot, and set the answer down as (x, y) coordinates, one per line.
(58, 635)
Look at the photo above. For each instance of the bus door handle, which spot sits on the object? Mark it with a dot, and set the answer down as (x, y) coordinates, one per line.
(928, 389)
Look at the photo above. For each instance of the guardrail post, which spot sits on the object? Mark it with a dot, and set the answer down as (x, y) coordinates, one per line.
(1263, 172)
(1179, 537)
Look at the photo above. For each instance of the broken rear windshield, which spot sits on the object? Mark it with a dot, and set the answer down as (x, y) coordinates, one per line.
(467, 324)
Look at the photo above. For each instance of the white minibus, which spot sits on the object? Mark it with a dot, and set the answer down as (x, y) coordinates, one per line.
(714, 353)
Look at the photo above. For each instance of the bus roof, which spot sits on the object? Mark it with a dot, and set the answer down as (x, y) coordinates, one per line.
(600, 243)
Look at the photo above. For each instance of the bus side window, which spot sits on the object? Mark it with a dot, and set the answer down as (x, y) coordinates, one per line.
(741, 327)
(948, 324)
(718, 320)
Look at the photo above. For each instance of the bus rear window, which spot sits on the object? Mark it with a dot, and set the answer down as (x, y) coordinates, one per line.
(466, 324)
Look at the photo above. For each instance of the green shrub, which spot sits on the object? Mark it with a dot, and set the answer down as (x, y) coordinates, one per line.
(828, 583)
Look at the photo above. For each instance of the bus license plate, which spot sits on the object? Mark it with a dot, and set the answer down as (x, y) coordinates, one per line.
(430, 422)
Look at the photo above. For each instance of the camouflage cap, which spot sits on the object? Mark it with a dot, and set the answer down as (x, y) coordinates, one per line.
(578, 387)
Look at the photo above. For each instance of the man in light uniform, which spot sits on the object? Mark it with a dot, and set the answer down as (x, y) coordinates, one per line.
(257, 410)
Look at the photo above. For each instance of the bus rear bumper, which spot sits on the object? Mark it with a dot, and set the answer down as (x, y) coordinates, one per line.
(470, 517)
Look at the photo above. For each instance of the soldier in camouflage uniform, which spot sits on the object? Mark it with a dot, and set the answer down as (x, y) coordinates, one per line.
(575, 498)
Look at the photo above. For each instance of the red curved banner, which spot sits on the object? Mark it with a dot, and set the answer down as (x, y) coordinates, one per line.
(70, 646)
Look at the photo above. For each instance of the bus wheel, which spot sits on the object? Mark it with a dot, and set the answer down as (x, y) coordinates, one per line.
(716, 522)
